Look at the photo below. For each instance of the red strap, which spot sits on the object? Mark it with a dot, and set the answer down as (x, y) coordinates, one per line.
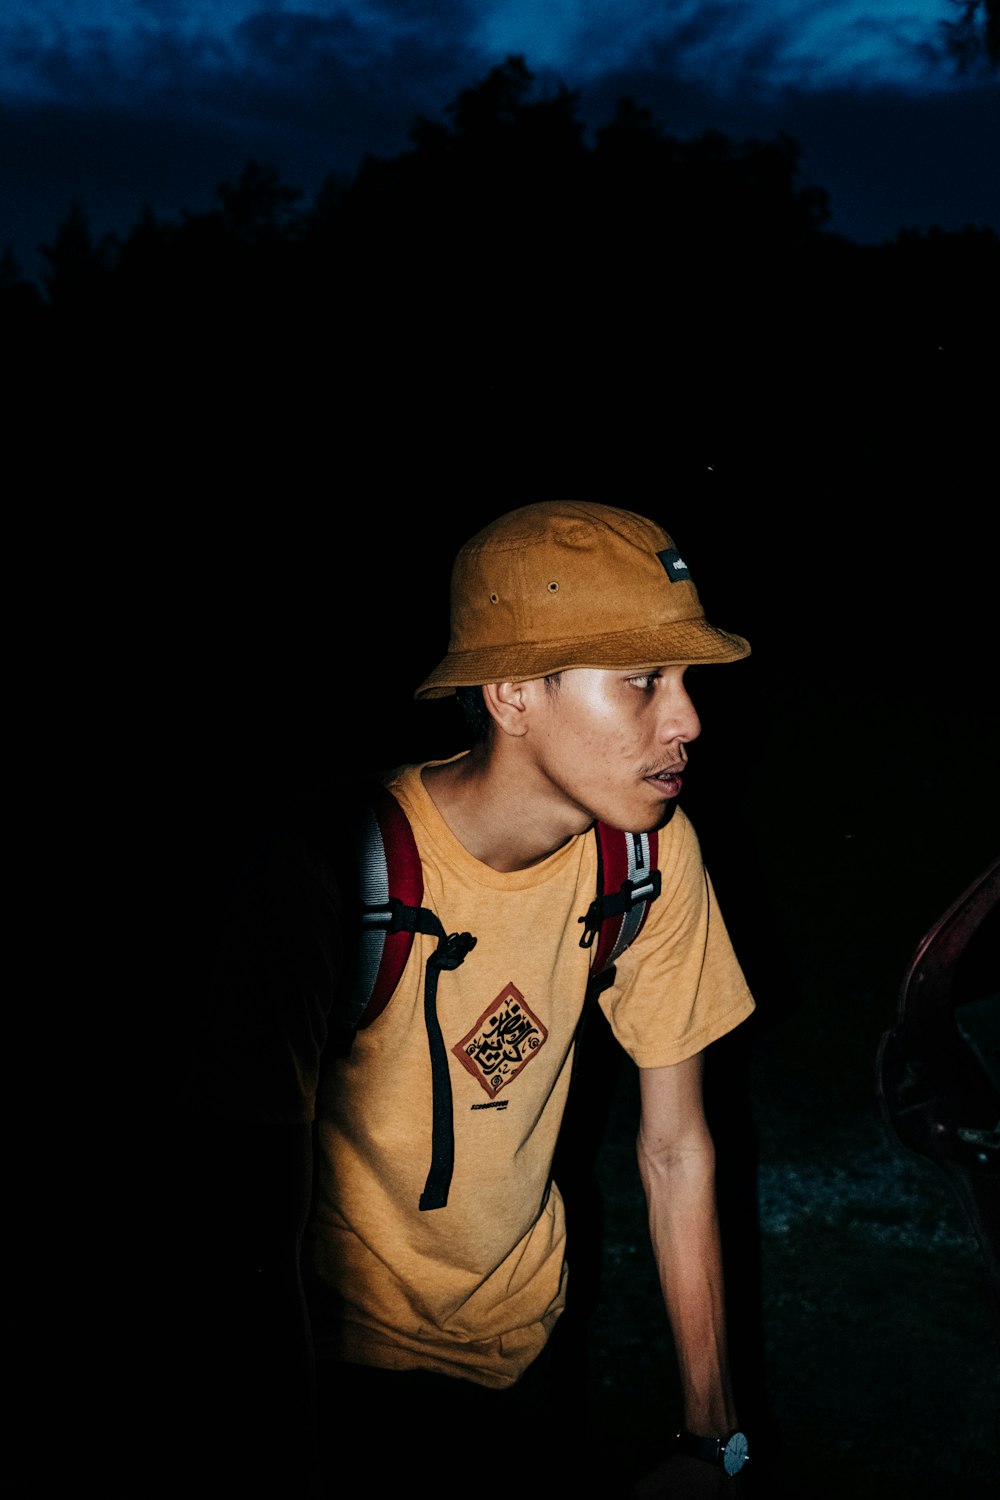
(406, 882)
(612, 871)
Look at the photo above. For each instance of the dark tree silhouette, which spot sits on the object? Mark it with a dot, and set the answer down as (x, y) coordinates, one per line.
(515, 292)
(973, 36)
(259, 207)
(78, 268)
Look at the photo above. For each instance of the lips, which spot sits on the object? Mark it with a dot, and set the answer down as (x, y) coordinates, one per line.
(667, 782)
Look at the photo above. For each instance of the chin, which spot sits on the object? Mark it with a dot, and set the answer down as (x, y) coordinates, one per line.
(651, 823)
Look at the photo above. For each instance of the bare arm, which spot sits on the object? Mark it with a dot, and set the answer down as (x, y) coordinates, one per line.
(677, 1166)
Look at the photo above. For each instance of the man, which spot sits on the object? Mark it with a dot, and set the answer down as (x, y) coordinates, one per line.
(435, 1252)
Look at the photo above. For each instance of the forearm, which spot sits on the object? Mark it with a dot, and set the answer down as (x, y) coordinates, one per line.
(679, 1182)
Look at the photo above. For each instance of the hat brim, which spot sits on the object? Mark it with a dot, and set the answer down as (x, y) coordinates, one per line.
(691, 642)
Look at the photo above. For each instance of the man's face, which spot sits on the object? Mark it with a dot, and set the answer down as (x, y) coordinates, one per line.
(613, 744)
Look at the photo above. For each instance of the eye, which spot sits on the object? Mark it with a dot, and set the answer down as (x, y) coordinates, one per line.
(645, 682)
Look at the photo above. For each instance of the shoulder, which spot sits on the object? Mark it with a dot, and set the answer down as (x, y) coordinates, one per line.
(679, 853)
(679, 835)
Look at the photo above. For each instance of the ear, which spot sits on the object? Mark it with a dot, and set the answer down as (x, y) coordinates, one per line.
(506, 705)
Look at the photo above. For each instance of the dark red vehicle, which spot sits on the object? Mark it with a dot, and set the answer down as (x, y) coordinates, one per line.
(939, 1067)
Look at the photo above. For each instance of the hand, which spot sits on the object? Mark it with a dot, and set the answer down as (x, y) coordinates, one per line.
(682, 1478)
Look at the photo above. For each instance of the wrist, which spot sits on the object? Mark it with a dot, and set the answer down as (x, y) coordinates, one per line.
(729, 1453)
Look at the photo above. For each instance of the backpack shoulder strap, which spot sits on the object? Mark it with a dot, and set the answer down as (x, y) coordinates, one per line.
(390, 890)
(627, 881)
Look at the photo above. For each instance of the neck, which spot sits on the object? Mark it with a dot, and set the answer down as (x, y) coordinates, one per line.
(503, 818)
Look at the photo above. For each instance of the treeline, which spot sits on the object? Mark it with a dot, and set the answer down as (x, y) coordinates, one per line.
(507, 280)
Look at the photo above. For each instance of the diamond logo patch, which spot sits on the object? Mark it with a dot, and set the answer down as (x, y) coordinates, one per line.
(503, 1041)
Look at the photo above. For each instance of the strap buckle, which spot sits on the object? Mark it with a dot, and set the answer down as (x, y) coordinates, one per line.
(617, 903)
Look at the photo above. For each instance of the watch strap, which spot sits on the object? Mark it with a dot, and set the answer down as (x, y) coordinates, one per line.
(708, 1449)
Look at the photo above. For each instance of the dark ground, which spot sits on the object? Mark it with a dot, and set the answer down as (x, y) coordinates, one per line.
(879, 1368)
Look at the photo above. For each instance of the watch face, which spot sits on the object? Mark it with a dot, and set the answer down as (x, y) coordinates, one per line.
(734, 1454)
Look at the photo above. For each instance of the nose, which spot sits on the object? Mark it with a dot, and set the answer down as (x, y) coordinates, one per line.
(679, 722)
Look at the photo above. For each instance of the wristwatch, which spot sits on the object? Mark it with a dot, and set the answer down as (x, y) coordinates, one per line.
(729, 1453)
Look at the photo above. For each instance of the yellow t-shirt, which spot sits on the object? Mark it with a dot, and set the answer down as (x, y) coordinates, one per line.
(474, 1288)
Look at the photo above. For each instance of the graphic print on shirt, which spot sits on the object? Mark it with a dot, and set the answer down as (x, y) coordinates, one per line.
(503, 1041)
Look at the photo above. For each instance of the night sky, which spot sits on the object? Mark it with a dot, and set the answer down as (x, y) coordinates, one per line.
(157, 102)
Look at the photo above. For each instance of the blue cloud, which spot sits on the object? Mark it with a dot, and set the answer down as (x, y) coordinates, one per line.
(162, 108)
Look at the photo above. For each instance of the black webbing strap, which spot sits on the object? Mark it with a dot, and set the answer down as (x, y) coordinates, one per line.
(397, 916)
(449, 954)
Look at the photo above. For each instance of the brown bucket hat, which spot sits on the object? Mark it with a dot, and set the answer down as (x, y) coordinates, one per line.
(564, 584)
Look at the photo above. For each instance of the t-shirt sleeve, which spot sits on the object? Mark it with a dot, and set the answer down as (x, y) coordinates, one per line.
(679, 986)
(257, 1053)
